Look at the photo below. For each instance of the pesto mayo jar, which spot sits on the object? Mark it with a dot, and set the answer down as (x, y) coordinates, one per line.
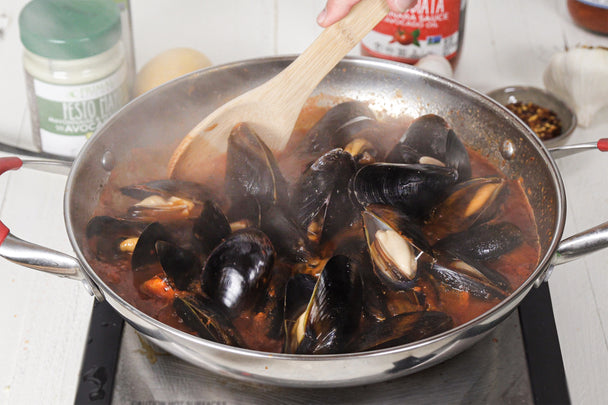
(75, 69)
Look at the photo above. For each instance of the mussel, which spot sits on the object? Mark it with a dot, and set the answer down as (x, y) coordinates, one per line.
(287, 236)
(181, 266)
(201, 315)
(471, 202)
(238, 270)
(165, 200)
(414, 188)
(467, 275)
(401, 329)
(320, 197)
(144, 261)
(210, 228)
(396, 245)
(110, 238)
(333, 313)
(487, 241)
(429, 139)
(252, 170)
(335, 128)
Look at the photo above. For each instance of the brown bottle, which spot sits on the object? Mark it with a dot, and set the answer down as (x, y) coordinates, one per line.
(590, 14)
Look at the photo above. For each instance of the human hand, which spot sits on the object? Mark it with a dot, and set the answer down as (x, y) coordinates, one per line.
(335, 10)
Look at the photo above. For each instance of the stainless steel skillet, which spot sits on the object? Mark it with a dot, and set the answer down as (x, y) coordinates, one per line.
(161, 117)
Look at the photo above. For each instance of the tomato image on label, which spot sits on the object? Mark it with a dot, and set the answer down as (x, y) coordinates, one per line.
(405, 38)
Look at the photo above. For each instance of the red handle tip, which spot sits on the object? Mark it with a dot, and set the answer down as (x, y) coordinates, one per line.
(602, 144)
(10, 163)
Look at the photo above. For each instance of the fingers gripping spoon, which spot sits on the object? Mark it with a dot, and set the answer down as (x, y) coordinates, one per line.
(273, 108)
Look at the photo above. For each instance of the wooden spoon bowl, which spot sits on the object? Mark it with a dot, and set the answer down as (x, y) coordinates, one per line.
(272, 108)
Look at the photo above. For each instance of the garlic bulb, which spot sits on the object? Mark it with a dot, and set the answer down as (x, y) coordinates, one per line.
(435, 64)
(579, 77)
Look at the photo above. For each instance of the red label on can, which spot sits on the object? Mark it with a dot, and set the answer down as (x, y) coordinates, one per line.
(431, 27)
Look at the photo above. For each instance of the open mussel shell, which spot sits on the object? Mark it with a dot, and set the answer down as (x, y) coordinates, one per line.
(298, 292)
(320, 196)
(471, 202)
(201, 315)
(238, 270)
(166, 200)
(432, 139)
(322, 136)
(144, 261)
(167, 188)
(333, 313)
(414, 188)
(252, 170)
(401, 329)
(467, 275)
(210, 228)
(487, 241)
(106, 236)
(396, 245)
(181, 266)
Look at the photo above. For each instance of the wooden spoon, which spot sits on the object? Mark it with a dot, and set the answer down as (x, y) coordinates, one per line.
(273, 108)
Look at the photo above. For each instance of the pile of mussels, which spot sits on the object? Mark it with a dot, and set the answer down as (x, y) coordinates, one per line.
(335, 262)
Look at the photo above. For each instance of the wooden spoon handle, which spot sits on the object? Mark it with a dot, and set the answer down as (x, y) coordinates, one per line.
(304, 74)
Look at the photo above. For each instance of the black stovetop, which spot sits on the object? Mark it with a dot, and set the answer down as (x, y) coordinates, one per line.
(518, 362)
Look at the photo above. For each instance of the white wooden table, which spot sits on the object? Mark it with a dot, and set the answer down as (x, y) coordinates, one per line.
(44, 319)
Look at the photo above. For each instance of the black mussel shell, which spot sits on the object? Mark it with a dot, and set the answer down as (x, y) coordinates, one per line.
(471, 202)
(413, 188)
(210, 228)
(183, 189)
(320, 197)
(401, 329)
(245, 211)
(144, 262)
(466, 275)
(271, 308)
(321, 137)
(105, 234)
(252, 170)
(354, 245)
(431, 136)
(166, 200)
(298, 292)
(402, 153)
(201, 315)
(334, 313)
(237, 271)
(287, 236)
(487, 241)
(181, 266)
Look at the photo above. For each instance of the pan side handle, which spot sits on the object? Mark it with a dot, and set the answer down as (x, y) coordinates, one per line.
(38, 257)
(581, 244)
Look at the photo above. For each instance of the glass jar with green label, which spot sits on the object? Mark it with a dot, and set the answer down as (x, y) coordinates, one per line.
(75, 68)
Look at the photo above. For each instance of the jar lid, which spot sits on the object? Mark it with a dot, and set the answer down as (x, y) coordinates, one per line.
(69, 29)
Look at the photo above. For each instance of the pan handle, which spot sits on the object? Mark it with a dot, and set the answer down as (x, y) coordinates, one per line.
(35, 256)
(581, 244)
(567, 150)
(576, 246)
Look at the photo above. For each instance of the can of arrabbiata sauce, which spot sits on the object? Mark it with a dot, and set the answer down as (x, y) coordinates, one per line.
(430, 27)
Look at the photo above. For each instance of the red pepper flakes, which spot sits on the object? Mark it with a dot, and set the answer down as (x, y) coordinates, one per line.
(543, 121)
